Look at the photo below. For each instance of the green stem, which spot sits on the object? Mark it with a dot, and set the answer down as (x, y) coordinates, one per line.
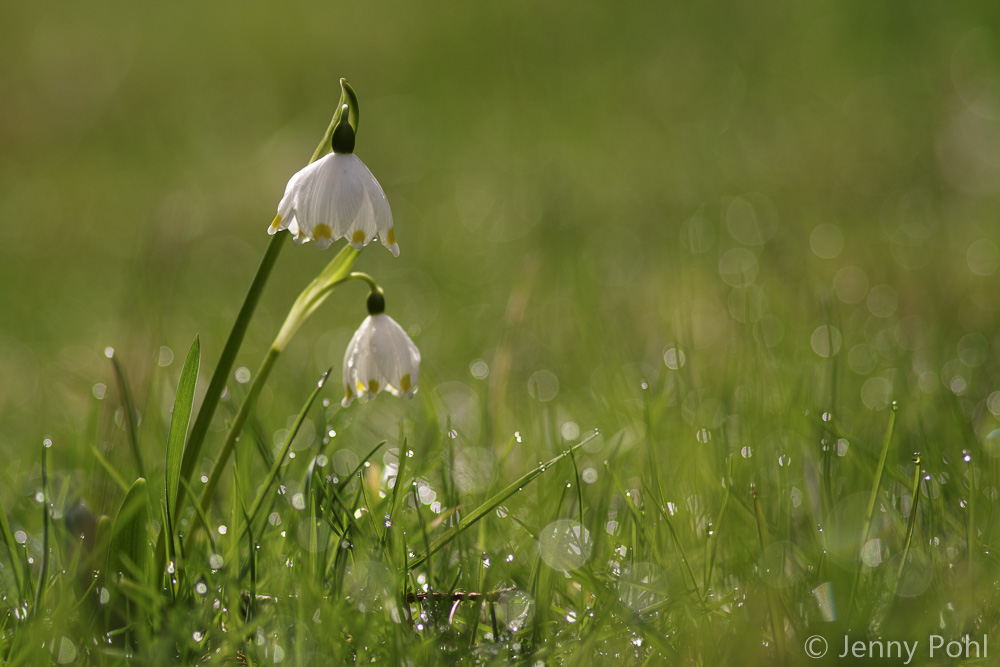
(316, 293)
(192, 452)
(233, 435)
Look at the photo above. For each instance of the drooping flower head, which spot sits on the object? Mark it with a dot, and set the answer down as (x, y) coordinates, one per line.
(380, 356)
(336, 197)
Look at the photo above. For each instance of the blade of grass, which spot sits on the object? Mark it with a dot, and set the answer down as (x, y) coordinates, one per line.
(866, 526)
(910, 524)
(128, 406)
(427, 543)
(201, 515)
(44, 573)
(12, 555)
(493, 503)
(680, 549)
(718, 525)
(127, 550)
(176, 435)
(278, 460)
(110, 469)
(776, 617)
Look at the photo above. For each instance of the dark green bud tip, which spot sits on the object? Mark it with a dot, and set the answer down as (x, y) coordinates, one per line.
(343, 134)
(376, 303)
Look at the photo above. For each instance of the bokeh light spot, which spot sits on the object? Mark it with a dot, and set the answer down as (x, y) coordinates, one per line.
(827, 241)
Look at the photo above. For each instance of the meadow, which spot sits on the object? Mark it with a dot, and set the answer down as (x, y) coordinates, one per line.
(707, 304)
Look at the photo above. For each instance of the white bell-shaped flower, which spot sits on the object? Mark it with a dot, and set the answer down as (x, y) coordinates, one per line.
(380, 356)
(336, 197)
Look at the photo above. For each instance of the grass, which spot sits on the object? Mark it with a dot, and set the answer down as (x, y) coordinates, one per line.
(706, 305)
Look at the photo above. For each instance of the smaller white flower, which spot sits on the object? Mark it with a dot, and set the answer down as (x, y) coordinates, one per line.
(380, 356)
(336, 197)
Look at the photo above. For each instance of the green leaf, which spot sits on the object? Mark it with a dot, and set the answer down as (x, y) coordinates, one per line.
(128, 548)
(12, 554)
(315, 293)
(179, 421)
(350, 98)
(128, 406)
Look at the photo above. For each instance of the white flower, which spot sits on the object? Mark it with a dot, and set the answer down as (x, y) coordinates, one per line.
(380, 356)
(335, 197)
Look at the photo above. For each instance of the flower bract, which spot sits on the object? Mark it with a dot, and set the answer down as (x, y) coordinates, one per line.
(380, 356)
(336, 197)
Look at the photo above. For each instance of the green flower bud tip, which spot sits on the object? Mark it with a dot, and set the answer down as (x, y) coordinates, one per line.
(376, 303)
(343, 134)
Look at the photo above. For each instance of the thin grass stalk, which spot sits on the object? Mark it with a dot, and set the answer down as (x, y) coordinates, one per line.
(866, 526)
(718, 524)
(46, 520)
(777, 619)
(910, 524)
(128, 407)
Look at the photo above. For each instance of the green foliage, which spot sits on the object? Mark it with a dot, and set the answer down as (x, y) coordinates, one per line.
(128, 552)
(785, 224)
(179, 419)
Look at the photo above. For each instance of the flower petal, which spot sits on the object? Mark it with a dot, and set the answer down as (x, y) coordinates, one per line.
(333, 198)
(380, 356)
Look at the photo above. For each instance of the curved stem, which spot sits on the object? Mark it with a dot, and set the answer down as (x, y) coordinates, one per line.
(317, 298)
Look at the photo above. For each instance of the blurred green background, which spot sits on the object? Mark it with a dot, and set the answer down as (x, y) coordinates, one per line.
(576, 187)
